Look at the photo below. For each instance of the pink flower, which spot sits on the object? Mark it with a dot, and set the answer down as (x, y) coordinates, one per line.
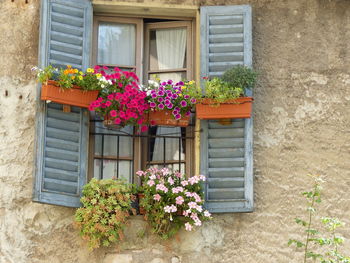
(179, 200)
(192, 204)
(184, 183)
(117, 121)
(206, 213)
(198, 223)
(188, 227)
(170, 181)
(151, 183)
(156, 197)
(140, 173)
(113, 113)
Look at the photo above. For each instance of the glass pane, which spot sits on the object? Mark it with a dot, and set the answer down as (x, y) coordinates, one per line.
(168, 48)
(110, 169)
(176, 77)
(171, 167)
(110, 148)
(174, 148)
(116, 44)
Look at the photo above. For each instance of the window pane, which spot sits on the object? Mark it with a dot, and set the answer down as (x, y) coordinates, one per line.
(168, 48)
(166, 76)
(116, 44)
(110, 168)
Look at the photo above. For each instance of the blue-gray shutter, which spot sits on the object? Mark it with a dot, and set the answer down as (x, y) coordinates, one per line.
(226, 150)
(62, 138)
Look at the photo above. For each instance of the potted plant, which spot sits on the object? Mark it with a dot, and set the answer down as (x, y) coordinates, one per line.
(224, 97)
(172, 201)
(105, 211)
(121, 101)
(171, 103)
(69, 86)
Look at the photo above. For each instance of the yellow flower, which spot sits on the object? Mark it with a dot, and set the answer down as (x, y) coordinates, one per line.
(73, 77)
(99, 75)
(69, 66)
(180, 95)
(191, 82)
(90, 70)
(76, 71)
(80, 77)
(81, 73)
(183, 87)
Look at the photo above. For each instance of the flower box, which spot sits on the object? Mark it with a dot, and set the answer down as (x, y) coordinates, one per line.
(165, 118)
(208, 109)
(74, 96)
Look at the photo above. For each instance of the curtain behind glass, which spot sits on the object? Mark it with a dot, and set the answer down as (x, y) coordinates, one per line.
(116, 44)
(171, 49)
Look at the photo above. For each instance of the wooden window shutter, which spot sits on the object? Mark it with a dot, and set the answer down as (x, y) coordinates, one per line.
(226, 150)
(62, 138)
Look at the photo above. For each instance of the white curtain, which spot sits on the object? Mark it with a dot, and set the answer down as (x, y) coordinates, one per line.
(171, 49)
(116, 44)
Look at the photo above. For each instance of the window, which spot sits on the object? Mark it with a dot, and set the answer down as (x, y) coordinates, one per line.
(223, 39)
(167, 49)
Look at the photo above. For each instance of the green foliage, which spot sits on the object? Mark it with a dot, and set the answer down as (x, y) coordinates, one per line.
(240, 77)
(221, 91)
(45, 74)
(232, 85)
(330, 243)
(106, 208)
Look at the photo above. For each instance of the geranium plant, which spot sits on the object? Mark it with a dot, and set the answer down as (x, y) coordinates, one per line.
(121, 100)
(177, 97)
(106, 208)
(172, 201)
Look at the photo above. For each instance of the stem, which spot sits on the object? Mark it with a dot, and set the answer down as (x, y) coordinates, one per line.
(309, 224)
(335, 244)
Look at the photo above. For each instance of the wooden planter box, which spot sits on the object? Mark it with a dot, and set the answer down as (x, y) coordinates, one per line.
(208, 109)
(165, 118)
(74, 96)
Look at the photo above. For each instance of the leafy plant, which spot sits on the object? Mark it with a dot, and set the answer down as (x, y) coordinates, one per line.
(240, 77)
(106, 208)
(314, 237)
(171, 201)
(44, 75)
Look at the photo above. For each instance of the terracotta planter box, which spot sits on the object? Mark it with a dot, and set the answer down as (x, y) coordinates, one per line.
(208, 109)
(165, 118)
(74, 97)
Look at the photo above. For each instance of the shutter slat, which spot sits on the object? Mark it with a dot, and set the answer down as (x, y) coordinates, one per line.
(226, 57)
(62, 154)
(225, 182)
(61, 174)
(67, 48)
(222, 66)
(225, 29)
(226, 152)
(226, 162)
(225, 193)
(226, 38)
(61, 165)
(226, 47)
(236, 123)
(226, 20)
(226, 143)
(226, 172)
(60, 186)
(226, 133)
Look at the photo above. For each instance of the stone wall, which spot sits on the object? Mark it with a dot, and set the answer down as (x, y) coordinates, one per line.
(301, 118)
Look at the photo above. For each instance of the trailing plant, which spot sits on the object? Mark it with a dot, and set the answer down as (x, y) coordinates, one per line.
(178, 97)
(121, 100)
(330, 243)
(103, 216)
(171, 201)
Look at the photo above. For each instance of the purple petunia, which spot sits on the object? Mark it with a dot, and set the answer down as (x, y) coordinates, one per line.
(170, 106)
(170, 81)
(193, 100)
(163, 83)
(152, 105)
(174, 96)
(175, 112)
(187, 96)
(183, 103)
(181, 83)
(188, 113)
(178, 116)
(160, 99)
(177, 108)
(154, 95)
(161, 93)
(167, 101)
(161, 106)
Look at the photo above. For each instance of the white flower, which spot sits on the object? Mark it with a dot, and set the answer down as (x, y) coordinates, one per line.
(206, 213)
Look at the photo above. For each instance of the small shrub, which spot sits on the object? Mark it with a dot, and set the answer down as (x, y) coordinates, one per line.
(240, 77)
(106, 207)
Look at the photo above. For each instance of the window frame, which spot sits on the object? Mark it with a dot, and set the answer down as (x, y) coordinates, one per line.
(142, 59)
